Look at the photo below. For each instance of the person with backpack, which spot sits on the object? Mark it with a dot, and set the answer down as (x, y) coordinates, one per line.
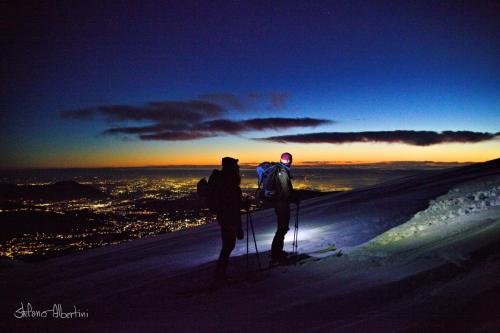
(225, 198)
(275, 186)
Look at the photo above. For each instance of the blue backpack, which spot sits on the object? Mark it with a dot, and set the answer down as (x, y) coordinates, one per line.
(267, 188)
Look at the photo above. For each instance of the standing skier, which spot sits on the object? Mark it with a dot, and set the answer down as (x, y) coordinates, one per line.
(281, 202)
(226, 192)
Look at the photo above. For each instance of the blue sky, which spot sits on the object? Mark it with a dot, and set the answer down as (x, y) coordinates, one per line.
(368, 66)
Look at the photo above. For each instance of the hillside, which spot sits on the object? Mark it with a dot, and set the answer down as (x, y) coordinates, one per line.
(419, 253)
(64, 190)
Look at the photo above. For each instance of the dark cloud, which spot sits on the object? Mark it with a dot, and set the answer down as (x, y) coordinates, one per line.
(83, 114)
(222, 126)
(135, 130)
(279, 123)
(254, 96)
(185, 120)
(207, 106)
(230, 100)
(274, 100)
(279, 99)
(165, 111)
(175, 136)
(260, 124)
(167, 131)
(416, 138)
(386, 164)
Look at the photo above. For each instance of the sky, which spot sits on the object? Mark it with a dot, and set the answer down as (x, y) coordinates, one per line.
(92, 84)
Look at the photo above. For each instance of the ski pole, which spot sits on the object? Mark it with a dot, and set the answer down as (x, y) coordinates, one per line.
(296, 231)
(254, 239)
(294, 235)
(247, 241)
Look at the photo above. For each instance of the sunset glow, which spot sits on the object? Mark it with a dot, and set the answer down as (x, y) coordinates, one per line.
(249, 81)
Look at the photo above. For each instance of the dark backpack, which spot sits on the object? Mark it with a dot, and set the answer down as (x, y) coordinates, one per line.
(207, 190)
(267, 188)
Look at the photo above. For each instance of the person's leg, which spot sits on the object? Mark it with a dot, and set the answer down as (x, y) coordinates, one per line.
(228, 243)
(282, 209)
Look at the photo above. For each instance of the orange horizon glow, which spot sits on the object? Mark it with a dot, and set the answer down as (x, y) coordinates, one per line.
(243, 163)
(138, 154)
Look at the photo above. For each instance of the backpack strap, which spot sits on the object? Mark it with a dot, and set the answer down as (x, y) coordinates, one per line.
(262, 170)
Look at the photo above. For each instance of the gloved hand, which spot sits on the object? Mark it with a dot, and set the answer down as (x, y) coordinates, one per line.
(240, 234)
(296, 197)
(246, 203)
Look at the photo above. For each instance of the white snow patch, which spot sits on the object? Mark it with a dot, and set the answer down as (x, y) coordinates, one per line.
(465, 207)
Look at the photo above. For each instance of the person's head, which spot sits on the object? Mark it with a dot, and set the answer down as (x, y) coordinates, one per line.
(286, 159)
(230, 167)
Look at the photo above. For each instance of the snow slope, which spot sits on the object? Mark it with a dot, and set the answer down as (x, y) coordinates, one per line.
(465, 207)
(420, 253)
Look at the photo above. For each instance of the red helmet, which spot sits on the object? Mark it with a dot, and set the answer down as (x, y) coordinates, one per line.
(286, 159)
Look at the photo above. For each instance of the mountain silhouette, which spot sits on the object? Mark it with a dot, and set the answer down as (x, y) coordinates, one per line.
(64, 190)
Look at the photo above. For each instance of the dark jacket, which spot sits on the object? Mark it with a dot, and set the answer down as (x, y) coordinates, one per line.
(284, 183)
(229, 200)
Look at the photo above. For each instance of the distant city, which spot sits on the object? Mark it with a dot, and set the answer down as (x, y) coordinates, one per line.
(43, 214)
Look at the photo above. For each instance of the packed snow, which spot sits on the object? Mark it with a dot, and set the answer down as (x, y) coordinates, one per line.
(465, 207)
(419, 254)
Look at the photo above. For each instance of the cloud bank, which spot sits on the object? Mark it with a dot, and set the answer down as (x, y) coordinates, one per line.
(415, 138)
(188, 120)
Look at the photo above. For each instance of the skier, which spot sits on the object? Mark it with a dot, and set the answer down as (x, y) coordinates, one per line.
(226, 191)
(281, 203)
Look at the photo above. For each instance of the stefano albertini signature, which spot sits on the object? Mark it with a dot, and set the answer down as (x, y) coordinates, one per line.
(55, 312)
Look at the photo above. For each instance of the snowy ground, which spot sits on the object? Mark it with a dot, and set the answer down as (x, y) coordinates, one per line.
(421, 253)
(466, 207)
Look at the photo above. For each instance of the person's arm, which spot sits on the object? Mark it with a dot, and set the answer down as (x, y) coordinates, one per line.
(293, 195)
(240, 198)
(239, 232)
